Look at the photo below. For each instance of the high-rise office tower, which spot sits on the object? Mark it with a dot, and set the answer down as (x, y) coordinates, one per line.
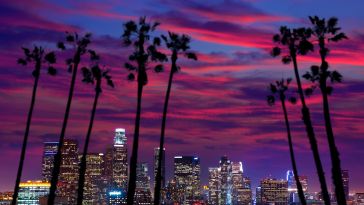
(214, 185)
(241, 193)
(120, 159)
(292, 188)
(345, 177)
(31, 191)
(237, 182)
(49, 151)
(68, 177)
(258, 196)
(156, 155)
(274, 191)
(143, 194)
(187, 175)
(247, 197)
(225, 177)
(94, 167)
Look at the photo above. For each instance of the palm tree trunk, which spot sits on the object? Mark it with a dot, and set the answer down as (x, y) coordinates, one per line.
(311, 135)
(58, 157)
(293, 160)
(134, 155)
(334, 153)
(158, 180)
(81, 177)
(26, 134)
(335, 159)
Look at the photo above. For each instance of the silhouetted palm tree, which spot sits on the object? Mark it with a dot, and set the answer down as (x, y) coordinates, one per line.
(38, 57)
(279, 88)
(138, 35)
(328, 31)
(93, 75)
(80, 44)
(297, 42)
(178, 45)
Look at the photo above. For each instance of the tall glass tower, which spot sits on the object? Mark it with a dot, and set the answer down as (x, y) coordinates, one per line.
(49, 151)
(187, 175)
(120, 159)
(226, 185)
(156, 156)
(120, 138)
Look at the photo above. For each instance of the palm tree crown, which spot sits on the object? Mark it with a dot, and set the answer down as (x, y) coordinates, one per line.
(178, 44)
(38, 55)
(138, 35)
(297, 41)
(280, 88)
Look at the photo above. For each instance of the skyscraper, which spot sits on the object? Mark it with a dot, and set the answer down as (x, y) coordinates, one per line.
(241, 193)
(225, 177)
(274, 191)
(120, 159)
(345, 176)
(31, 191)
(292, 188)
(143, 194)
(214, 185)
(94, 166)
(156, 155)
(68, 178)
(187, 175)
(49, 151)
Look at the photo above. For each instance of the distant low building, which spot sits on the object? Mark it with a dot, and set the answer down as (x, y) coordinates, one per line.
(359, 199)
(5, 198)
(31, 191)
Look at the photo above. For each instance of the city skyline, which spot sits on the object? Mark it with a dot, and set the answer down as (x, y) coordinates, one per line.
(217, 105)
(119, 139)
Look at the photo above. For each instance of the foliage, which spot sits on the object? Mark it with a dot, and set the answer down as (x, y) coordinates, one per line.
(138, 35)
(38, 56)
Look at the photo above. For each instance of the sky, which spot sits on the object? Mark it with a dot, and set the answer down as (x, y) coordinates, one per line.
(218, 103)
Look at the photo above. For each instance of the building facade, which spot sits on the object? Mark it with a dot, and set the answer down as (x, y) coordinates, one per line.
(225, 180)
(273, 191)
(49, 151)
(187, 176)
(94, 167)
(68, 177)
(214, 186)
(143, 194)
(156, 156)
(31, 191)
(120, 159)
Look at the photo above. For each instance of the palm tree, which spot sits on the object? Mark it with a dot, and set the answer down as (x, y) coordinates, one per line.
(297, 42)
(328, 31)
(38, 57)
(80, 44)
(178, 45)
(279, 88)
(93, 76)
(138, 35)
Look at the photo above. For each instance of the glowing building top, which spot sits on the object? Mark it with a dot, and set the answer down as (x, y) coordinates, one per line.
(120, 138)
